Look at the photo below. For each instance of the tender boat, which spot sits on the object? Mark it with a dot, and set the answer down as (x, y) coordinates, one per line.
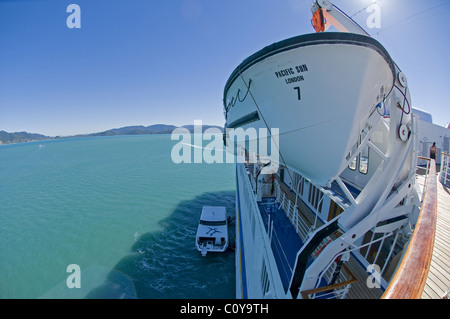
(212, 231)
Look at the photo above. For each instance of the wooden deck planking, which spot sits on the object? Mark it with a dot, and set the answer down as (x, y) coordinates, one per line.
(359, 290)
(438, 280)
(442, 272)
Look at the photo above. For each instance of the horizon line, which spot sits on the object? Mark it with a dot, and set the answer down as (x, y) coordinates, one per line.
(101, 131)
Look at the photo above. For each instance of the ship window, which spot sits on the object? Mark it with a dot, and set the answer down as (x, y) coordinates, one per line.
(302, 185)
(334, 210)
(364, 161)
(315, 198)
(353, 163)
(310, 192)
(213, 223)
(265, 282)
(364, 155)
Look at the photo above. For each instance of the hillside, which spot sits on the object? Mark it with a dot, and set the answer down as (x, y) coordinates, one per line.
(152, 129)
(20, 137)
(136, 130)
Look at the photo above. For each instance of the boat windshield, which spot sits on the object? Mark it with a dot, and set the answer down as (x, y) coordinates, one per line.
(213, 223)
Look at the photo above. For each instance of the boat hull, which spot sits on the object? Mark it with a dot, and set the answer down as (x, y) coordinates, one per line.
(212, 231)
(317, 90)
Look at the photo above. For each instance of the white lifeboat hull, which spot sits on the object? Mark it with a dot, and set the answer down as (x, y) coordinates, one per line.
(318, 90)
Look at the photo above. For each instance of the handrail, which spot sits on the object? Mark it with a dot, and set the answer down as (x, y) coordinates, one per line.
(410, 278)
(305, 294)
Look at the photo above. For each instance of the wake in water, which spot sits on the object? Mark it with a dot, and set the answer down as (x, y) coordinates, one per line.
(167, 265)
(203, 147)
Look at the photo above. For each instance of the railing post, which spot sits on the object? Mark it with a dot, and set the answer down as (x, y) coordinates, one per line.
(445, 169)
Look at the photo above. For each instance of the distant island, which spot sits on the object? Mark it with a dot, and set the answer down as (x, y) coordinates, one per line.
(22, 137)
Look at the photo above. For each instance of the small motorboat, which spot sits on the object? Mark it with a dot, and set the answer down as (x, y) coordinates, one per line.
(212, 231)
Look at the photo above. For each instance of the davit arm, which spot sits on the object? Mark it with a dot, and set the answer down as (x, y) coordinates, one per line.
(326, 14)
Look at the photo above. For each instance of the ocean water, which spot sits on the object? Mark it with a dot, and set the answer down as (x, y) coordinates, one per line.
(117, 207)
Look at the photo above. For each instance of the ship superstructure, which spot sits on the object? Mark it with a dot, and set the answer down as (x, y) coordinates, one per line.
(342, 206)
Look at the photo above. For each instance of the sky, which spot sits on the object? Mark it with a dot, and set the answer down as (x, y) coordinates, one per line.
(144, 62)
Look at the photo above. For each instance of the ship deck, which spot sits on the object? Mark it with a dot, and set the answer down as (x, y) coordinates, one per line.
(359, 289)
(284, 239)
(284, 235)
(438, 281)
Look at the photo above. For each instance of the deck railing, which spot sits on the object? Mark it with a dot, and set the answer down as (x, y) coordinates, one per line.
(341, 286)
(301, 226)
(335, 291)
(444, 176)
(425, 171)
(409, 280)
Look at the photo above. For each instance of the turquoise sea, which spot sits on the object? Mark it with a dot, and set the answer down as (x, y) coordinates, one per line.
(117, 207)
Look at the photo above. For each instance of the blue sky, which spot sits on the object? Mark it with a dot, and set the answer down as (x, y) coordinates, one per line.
(143, 62)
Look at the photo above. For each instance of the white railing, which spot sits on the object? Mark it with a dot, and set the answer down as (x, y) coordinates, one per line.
(250, 212)
(337, 290)
(340, 288)
(281, 252)
(301, 226)
(444, 176)
(422, 173)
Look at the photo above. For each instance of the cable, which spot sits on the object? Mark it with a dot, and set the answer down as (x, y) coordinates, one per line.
(412, 16)
(365, 8)
(405, 100)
